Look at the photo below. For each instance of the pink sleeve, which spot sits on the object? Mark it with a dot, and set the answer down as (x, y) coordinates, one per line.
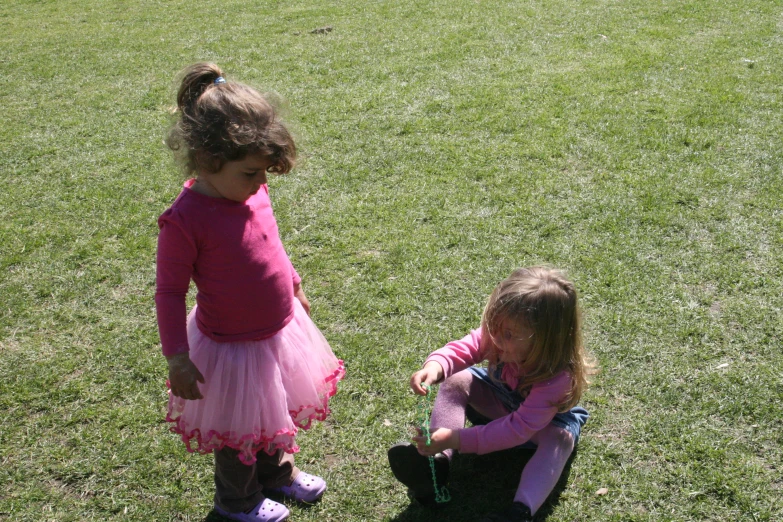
(176, 256)
(516, 428)
(459, 355)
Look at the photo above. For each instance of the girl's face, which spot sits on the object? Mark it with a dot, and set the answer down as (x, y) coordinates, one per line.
(236, 180)
(513, 341)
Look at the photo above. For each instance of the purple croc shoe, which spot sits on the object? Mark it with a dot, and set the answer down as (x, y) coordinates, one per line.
(266, 511)
(306, 488)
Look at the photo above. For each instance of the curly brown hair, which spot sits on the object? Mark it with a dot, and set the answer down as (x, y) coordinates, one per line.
(226, 121)
(544, 300)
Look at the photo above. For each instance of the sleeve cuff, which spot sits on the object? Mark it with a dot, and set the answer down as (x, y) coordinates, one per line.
(444, 363)
(168, 352)
(468, 440)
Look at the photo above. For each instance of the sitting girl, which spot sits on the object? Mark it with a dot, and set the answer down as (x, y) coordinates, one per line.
(530, 335)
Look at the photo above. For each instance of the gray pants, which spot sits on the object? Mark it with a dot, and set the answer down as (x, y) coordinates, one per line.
(238, 487)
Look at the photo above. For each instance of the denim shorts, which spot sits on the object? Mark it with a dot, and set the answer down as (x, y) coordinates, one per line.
(571, 421)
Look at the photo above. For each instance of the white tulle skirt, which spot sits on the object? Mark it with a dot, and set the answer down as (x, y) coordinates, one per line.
(257, 394)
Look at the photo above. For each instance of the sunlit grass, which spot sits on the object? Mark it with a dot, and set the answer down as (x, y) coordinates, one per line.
(634, 144)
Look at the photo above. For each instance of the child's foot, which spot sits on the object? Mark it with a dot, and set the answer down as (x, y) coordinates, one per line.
(518, 512)
(305, 488)
(413, 469)
(266, 511)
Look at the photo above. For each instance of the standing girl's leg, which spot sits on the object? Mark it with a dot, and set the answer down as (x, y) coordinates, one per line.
(236, 484)
(544, 468)
(238, 492)
(275, 471)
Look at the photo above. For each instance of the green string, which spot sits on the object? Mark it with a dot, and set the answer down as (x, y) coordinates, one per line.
(442, 494)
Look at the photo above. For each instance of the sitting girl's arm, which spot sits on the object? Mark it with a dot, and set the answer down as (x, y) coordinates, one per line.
(459, 355)
(506, 432)
(516, 428)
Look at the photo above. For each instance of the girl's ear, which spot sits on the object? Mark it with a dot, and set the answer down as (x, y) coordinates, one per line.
(206, 162)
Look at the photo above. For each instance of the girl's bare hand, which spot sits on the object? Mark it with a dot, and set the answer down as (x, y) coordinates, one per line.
(440, 439)
(427, 376)
(183, 376)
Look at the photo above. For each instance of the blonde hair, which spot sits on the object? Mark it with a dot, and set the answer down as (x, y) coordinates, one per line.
(222, 121)
(545, 301)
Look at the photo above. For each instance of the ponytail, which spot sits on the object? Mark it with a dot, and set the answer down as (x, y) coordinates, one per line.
(195, 80)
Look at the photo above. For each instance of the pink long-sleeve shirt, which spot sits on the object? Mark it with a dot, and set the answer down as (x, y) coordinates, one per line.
(232, 251)
(535, 413)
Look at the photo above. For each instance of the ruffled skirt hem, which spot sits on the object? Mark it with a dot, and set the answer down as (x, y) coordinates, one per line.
(257, 394)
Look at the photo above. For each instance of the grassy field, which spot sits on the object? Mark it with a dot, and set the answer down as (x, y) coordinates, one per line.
(635, 144)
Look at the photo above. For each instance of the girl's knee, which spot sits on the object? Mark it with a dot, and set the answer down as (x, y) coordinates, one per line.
(557, 437)
(565, 439)
(459, 382)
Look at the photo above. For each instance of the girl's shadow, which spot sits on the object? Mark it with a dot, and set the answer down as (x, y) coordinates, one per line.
(481, 484)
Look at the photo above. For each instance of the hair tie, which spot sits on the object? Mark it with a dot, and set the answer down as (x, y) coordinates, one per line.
(219, 80)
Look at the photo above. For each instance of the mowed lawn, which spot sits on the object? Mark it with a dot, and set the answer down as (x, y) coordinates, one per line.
(635, 144)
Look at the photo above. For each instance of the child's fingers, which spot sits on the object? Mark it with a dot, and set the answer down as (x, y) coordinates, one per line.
(187, 389)
(416, 384)
(420, 434)
(423, 449)
(182, 394)
(427, 380)
(192, 387)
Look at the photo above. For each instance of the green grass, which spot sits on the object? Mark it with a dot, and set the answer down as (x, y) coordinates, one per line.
(635, 144)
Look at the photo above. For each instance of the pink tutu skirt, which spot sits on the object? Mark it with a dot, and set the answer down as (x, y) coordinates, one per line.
(257, 394)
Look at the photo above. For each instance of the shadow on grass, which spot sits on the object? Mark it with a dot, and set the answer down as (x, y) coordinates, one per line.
(481, 484)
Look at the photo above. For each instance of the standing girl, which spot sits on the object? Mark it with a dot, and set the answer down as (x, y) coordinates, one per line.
(530, 334)
(247, 366)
